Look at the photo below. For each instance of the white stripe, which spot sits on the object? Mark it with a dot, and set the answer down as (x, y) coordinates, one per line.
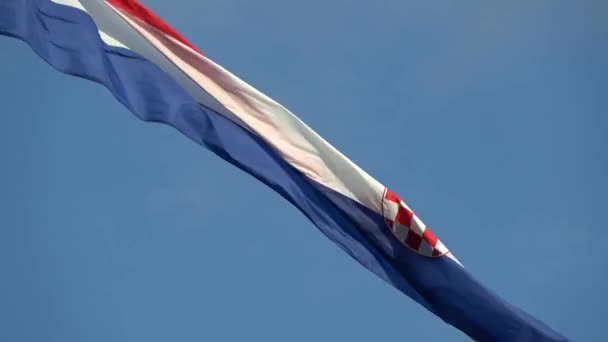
(297, 143)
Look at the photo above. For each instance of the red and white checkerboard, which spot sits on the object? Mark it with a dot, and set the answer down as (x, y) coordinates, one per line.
(408, 228)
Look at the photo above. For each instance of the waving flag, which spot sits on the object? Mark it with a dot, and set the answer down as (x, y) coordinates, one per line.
(159, 76)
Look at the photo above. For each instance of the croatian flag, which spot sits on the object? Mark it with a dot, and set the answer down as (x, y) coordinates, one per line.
(160, 76)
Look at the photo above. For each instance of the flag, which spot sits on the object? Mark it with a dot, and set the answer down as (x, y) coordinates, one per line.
(161, 77)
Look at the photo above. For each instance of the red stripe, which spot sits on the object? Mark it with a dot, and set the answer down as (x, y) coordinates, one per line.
(134, 8)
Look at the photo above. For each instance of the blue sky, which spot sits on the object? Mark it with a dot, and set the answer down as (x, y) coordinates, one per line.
(489, 119)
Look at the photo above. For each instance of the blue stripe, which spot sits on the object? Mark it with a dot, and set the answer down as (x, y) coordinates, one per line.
(68, 40)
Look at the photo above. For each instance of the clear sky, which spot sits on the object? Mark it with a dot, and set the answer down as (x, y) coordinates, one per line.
(489, 119)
